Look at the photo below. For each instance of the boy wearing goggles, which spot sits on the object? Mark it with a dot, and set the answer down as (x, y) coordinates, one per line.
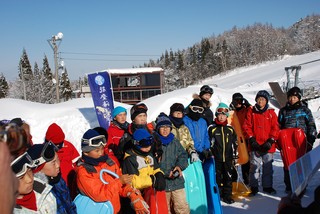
(174, 160)
(224, 148)
(47, 168)
(34, 195)
(145, 169)
(88, 175)
(205, 95)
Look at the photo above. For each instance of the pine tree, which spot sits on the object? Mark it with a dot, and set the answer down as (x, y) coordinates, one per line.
(47, 94)
(26, 76)
(4, 87)
(37, 83)
(65, 86)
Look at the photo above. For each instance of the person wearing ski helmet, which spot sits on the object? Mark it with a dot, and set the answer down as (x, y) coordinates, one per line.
(205, 95)
(261, 129)
(296, 114)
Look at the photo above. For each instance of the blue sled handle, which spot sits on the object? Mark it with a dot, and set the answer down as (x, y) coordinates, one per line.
(109, 172)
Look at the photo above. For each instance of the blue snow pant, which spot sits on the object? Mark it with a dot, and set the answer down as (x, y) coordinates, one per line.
(261, 163)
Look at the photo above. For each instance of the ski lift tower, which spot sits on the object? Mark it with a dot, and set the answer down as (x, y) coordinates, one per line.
(292, 76)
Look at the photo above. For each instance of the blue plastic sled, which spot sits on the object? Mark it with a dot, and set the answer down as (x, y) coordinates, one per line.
(195, 187)
(209, 170)
(87, 205)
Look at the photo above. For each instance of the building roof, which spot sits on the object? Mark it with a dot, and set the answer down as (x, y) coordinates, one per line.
(134, 70)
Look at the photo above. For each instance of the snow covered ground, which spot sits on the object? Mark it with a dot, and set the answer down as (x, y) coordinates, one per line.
(77, 115)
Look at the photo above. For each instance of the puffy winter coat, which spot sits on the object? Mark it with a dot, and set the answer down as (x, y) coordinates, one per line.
(114, 135)
(223, 142)
(89, 183)
(142, 166)
(262, 126)
(45, 200)
(199, 133)
(297, 116)
(173, 155)
(68, 156)
(184, 136)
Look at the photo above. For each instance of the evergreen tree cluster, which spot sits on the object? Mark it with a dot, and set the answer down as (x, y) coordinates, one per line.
(38, 85)
(237, 48)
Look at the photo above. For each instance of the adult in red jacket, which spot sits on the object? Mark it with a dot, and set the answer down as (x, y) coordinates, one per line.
(67, 153)
(261, 128)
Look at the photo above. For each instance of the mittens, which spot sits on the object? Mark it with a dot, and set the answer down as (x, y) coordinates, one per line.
(137, 202)
(159, 182)
(267, 145)
(254, 144)
(194, 157)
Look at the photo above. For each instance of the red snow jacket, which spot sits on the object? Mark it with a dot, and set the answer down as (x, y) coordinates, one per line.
(262, 126)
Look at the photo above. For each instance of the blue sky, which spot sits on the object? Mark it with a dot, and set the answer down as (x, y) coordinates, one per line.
(136, 30)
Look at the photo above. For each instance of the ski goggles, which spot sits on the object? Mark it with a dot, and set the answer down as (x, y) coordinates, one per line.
(21, 164)
(197, 109)
(47, 154)
(143, 142)
(207, 89)
(224, 111)
(96, 141)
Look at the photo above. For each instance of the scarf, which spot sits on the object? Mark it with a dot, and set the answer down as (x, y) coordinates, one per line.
(177, 122)
(166, 140)
(28, 201)
(260, 111)
(195, 116)
(220, 123)
(54, 180)
(123, 126)
(94, 161)
(206, 102)
(294, 106)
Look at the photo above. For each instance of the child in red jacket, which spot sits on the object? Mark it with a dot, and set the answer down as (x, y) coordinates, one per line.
(261, 128)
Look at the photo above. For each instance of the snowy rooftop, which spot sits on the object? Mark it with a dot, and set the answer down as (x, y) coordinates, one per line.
(134, 70)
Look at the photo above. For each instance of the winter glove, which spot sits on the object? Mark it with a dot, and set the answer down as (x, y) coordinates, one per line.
(137, 202)
(254, 144)
(318, 136)
(194, 157)
(246, 103)
(158, 181)
(311, 139)
(267, 145)
(206, 154)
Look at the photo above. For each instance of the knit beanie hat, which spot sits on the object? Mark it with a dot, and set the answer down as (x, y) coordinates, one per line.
(117, 110)
(142, 138)
(237, 96)
(138, 109)
(196, 102)
(295, 91)
(205, 89)
(263, 93)
(176, 107)
(55, 134)
(90, 133)
(36, 151)
(222, 109)
(163, 120)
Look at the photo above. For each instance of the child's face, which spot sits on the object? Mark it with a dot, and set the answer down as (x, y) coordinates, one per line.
(206, 96)
(121, 118)
(96, 153)
(177, 114)
(164, 131)
(140, 119)
(25, 183)
(262, 102)
(293, 99)
(52, 168)
(222, 117)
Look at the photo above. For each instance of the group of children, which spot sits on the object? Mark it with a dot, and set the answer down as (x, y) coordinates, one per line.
(147, 159)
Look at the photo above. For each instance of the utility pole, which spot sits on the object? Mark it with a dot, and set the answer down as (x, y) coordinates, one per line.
(54, 43)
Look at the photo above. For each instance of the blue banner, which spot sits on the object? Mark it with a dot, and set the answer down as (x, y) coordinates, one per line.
(100, 86)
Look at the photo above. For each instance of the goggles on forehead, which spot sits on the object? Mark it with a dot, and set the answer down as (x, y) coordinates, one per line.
(222, 111)
(47, 154)
(143, 142)
(197, 109)
(21, 164)
(207, 89)
(95, 141)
